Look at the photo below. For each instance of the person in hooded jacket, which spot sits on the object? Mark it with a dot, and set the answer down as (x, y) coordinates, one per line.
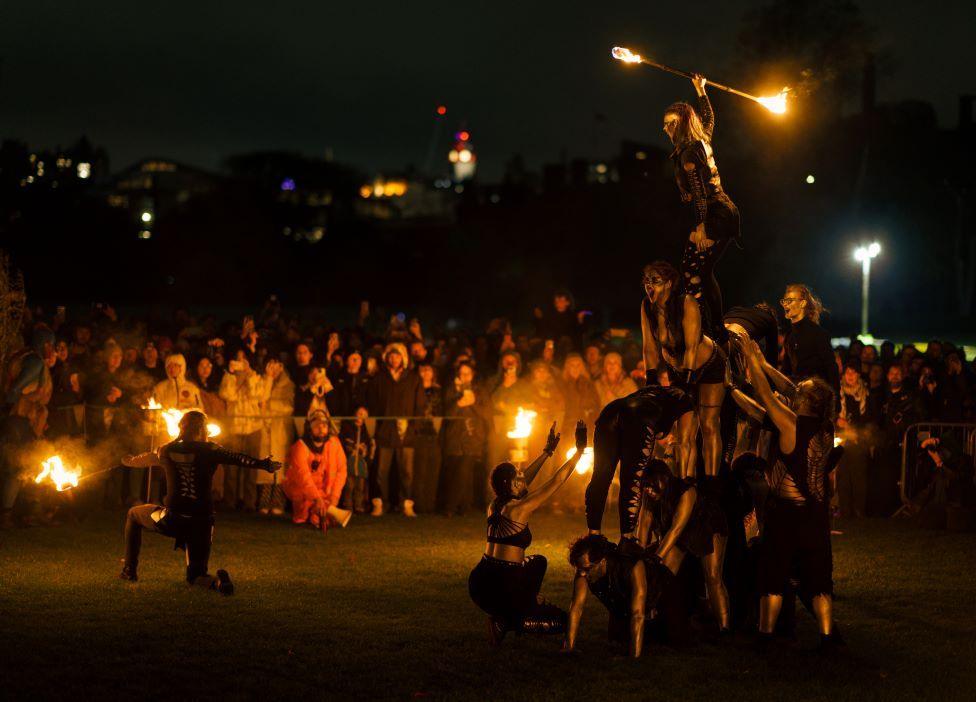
(176, 391)
(316, 474)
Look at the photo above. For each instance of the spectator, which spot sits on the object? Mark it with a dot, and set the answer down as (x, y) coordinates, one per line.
(547, 400)
(853, 427)
(351, 387)
(613, 382)
(243, 390)
(150, 364)
(67, 412)
(209, 387)
(901, 410)
(579, 393)
(316, 473)
(427, 450)
(301, 365)
(360, 450)
(956, 389)
(418, 353)
(396, 393)
(176, 391)
(561, 320)
(507, 392)
(930, 394)
(464, 440)
(277, 435)
(593, 356)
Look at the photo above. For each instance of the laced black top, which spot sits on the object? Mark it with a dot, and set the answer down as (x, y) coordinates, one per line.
(800, 477)
(695, 170)
(506, 531)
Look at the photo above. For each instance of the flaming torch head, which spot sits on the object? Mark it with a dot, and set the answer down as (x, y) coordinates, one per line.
(63, 479)
(775, 104)
(626, 55)
(523, 424)
(585, 464)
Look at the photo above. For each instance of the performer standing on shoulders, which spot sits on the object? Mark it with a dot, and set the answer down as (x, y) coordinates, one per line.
(187, 514)
(671, 326)
(505, 584)
(715, 218)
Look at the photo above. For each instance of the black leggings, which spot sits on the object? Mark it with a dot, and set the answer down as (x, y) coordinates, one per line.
(195, 534)
(698, 275)
(509, 592)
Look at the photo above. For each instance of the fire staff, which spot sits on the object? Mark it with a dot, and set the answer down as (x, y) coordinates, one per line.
(188, 513)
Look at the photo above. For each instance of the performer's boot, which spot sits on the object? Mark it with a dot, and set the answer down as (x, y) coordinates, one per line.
(497, 628)
(377, 507)
(545, 619)
(128, 573)
(224, 584)
(408, 509)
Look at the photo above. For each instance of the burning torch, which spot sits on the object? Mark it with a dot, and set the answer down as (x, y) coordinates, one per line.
(775, 104)
(519, 452)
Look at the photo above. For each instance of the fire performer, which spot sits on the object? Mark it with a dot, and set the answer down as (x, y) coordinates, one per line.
(715, 216)
(796, 524)
(505, 584)
(671, 325)
(187, 514)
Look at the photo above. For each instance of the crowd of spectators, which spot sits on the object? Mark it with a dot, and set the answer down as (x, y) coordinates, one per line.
(410, 420)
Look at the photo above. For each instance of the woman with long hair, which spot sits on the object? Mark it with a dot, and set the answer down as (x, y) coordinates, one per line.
(505, 584)
(806, 348)
(671, 326)
(714, 218)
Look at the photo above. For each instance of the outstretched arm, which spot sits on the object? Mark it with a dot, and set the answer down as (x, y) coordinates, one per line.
(638, 597)
(142, 460)
(781, 415)
(537, 498)
(232, 458)
(580, 590)
(532, 469)
(685, 506)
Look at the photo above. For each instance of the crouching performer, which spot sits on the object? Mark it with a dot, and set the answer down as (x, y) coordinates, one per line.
(505, 584)
(187, 514)
(637, 591)
(796, 524)
(315, 476)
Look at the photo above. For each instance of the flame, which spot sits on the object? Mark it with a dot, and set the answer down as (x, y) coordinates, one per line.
(523, 424)
(172, 417)
(626, 55)
(585, 464)
(63, 479)
(777, 104)
(838, 441)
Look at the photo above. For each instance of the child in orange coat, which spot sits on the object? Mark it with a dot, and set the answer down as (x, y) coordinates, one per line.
(316, 473)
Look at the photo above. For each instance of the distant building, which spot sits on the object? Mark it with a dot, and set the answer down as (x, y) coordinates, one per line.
(406, 198)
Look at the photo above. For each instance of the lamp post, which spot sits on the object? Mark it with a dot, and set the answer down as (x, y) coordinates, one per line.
(864, 254)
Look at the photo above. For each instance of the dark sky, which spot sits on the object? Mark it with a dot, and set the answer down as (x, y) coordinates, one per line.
(198, 81)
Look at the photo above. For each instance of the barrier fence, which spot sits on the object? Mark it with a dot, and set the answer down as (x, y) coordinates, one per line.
(962, 438)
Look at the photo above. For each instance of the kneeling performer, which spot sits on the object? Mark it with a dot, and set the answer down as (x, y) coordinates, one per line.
(505, 584)
(188, 512)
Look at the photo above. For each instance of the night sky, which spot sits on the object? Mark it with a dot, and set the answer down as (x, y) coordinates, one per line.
(199, 81)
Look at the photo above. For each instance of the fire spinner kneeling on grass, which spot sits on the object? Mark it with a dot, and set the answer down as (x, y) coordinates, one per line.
(187, 514)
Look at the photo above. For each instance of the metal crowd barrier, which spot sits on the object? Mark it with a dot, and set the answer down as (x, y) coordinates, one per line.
(965, 438)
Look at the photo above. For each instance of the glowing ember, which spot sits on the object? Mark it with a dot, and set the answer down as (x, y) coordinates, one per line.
(585, 464)
(523, 424)
(838, 441)
(152, 404)
(777, 104)
(63, 479)
(626, 55)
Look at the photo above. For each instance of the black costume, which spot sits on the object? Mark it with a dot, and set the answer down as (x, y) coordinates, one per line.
(509, 591)
(707, 519)
(700, 187)
(625, 432)
(809, 354)
(796, 528)
(662, 604)
(187, 514)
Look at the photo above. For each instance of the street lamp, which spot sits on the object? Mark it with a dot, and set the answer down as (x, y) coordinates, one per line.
(864, 254)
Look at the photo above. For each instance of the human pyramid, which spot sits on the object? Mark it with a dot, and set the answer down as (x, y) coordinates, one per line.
(751, 504)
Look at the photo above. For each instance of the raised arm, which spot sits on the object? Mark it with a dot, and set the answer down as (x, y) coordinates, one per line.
(142, 460)
(638, 598)
(705, 112)
(781, 383)
(580, 591)
(652, 354)
(685, 506)
(537, 498)
(691, 326)
(781, 415)
(531, 470)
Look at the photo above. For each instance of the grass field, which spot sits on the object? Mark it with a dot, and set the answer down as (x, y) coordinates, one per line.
(381, 611)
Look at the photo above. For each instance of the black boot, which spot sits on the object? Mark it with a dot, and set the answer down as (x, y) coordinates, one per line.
(545, 619)
(497, 629)
(129, 573)
(224, 585)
